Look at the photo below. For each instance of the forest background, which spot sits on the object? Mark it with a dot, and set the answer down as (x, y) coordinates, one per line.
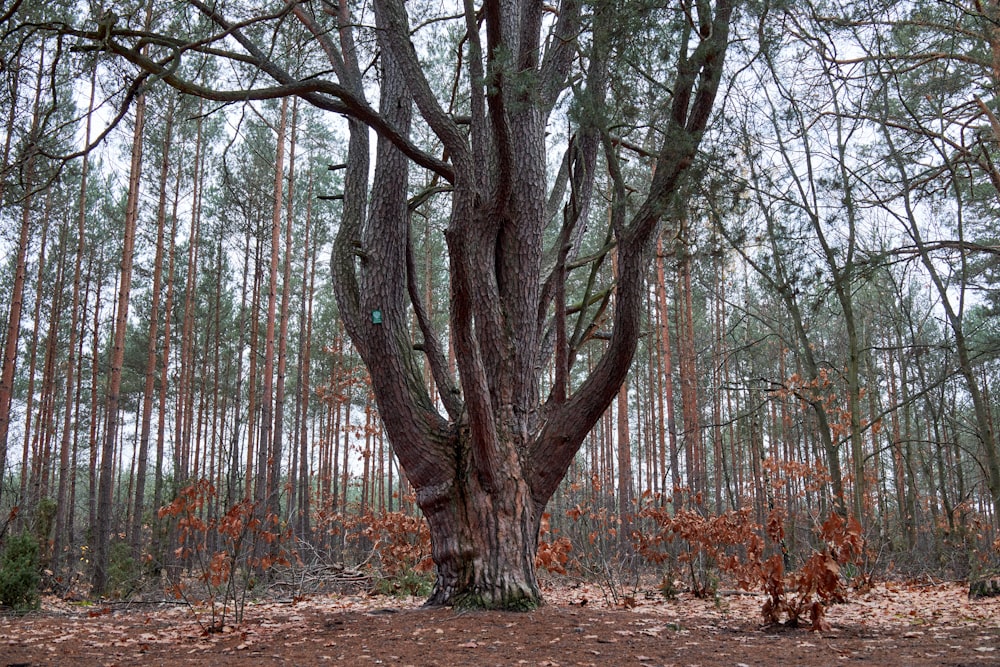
(819, 340)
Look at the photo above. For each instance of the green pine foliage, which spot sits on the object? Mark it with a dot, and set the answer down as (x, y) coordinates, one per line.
(19, 573)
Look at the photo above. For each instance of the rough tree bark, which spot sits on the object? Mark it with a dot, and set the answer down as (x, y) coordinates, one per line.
(484, 476)
(484, 468)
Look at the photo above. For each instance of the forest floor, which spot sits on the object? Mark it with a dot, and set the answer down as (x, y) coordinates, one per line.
(892, 624)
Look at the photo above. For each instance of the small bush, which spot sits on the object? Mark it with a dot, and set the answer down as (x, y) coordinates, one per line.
(226, 553)
(406, 583)
(124, 571)
(402, 542)
(19, 573)
(669, 587)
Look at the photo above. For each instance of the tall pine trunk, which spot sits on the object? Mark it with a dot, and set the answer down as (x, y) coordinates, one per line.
(286, 290)
(267, 466)
(142, 456)
(8, 368)
(303, 499)
(102, 527)
(62, 536)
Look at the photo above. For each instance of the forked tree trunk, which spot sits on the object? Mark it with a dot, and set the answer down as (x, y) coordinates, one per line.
(484, 474)
(485, 466)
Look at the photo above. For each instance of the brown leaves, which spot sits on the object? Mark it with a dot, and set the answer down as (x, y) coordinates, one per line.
(553, 552)
(892, 623)
(225, 552)
(401, 541)
(738, 546)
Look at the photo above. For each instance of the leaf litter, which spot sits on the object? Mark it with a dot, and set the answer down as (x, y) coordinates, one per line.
(894, 623)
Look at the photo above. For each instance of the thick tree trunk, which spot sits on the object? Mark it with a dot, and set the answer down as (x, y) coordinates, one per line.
(484, 472)
(483, 541)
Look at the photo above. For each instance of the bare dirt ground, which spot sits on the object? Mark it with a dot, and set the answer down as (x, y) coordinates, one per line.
(893, 624)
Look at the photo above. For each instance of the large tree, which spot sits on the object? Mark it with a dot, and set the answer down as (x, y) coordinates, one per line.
(485, 450)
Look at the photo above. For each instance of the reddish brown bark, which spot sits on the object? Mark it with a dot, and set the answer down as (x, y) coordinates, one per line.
(146, 420)
(102, 527)
(20, 274)
(267, 465)
(63, 536)
(687, 361)
(184, 420)
(666, 361)
(286, 290)
(302, 500)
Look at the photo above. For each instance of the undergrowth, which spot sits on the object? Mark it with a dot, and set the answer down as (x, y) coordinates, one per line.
(19, 573)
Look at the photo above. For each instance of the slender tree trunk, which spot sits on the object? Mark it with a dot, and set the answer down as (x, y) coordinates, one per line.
(77, 403)
(693, 450)
(625, 481)
(217, 439)
(667, 370)
(895, 437)
(286, 290)
(135, 528)
(12, 122)
(95, 417)
(348, 428)
(164, 364)
(62, 536)
(966, 366)
(31, 457)
(186, 382)
(252, 371)
(234, 477)
(308, 284)
(47, 408)
(102, 529)
(20, 274)
(265, 484)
